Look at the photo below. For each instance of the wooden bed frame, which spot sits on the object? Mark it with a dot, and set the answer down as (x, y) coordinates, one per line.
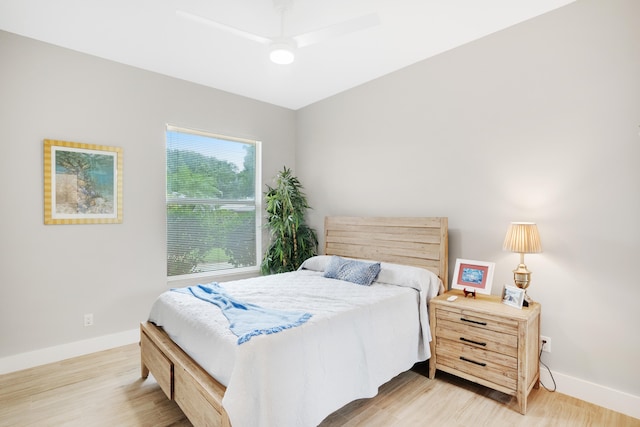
(421, 242)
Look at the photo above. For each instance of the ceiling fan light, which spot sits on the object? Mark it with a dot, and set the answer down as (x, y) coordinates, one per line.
(282, 54)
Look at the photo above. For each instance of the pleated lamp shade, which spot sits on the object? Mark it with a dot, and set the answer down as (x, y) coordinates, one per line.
(522, 237)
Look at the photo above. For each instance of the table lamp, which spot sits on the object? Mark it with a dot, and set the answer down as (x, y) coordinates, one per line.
(522, 237)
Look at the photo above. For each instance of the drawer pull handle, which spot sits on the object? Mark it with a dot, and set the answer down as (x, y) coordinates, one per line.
(472, 361)
(484, 344)
(473, 321)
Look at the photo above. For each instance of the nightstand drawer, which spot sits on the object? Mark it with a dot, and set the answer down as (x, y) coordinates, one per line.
(497, 368)
(478, 337)
(480, 320)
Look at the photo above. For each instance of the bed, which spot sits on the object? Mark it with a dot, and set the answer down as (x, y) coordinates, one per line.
(358, 337)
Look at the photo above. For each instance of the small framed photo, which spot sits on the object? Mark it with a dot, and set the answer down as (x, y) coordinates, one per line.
(473, 276)
(513, 296)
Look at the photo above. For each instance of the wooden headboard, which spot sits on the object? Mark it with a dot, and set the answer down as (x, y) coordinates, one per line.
(420, 242)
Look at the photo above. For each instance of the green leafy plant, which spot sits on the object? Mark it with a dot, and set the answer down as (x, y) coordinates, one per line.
(292, 240)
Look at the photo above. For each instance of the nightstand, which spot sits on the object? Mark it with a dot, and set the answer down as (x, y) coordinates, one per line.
(487, 342)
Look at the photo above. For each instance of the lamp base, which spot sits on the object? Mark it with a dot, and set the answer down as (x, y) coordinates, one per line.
(522, 279)
(522, 276)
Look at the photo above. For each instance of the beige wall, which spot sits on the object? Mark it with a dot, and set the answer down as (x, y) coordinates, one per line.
(537, 122)
(51, 275)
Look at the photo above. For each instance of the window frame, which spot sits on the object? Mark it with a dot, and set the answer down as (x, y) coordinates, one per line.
(257, 202)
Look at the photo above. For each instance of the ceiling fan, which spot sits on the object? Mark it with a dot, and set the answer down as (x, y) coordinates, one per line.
(282, 48)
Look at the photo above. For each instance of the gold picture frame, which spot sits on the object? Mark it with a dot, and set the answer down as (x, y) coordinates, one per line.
(82, 183)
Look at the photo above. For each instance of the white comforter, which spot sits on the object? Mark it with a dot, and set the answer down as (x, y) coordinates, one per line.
(358, 338)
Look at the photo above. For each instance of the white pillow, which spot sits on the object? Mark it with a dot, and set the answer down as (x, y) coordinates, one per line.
(394, 274)
(316, 263)
(415, 277)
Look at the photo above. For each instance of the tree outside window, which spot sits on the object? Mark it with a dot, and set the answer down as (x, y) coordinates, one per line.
(213, 215)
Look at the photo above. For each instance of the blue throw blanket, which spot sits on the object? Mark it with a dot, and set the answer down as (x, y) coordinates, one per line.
(246, 320)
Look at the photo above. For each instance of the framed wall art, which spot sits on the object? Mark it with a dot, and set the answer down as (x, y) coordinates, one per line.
(82, 183)
(473, 276)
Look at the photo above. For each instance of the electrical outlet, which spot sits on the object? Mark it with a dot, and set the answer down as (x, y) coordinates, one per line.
(88, 319)
(545, 344)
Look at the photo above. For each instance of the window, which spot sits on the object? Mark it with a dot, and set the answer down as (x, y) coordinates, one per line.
(213, 203)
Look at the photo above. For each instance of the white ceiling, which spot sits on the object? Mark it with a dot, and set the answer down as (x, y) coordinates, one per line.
(149, 34)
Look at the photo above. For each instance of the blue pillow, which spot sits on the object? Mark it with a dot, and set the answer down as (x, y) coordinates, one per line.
(358, 272)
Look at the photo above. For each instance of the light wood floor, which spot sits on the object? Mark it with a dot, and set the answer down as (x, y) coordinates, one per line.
(105, 389)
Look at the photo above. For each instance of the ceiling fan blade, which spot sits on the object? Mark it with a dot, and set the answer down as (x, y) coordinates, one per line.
(336, 30)
(224, 27)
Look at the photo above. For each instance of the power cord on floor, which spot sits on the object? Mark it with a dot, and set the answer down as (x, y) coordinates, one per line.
(550, 374)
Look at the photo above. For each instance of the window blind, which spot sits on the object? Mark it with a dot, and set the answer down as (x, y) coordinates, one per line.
(213, 202)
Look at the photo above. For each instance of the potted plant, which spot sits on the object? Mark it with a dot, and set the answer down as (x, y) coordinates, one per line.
(292, 240)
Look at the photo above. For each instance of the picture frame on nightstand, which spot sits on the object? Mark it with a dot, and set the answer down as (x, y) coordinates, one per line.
(513, 296)
(473, 275)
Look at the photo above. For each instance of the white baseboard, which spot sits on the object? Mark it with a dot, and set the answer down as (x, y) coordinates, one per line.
(606, 397)
(615, 400)
(57, 353)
